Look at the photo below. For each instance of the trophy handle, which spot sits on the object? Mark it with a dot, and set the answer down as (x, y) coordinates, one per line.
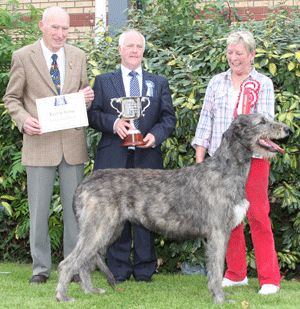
(112, 105)
(145, 99)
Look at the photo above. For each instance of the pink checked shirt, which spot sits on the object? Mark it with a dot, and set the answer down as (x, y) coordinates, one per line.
(217, 110)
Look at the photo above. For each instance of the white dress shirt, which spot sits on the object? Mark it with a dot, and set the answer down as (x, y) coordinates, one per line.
(60, 62)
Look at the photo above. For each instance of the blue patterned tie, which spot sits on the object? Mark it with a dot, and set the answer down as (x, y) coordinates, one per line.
(134, 90)
(134, 85)
(54, 72)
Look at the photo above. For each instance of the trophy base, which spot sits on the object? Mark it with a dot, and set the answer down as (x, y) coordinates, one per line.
(135, 139)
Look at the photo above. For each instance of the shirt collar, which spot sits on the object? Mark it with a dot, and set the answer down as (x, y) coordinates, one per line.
(126, 71)
(48, 53)
(252, 74)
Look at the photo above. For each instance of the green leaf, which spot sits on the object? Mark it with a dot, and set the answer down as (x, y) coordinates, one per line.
(287, 55)
(272, 68)
(7, 207)
(291, 66)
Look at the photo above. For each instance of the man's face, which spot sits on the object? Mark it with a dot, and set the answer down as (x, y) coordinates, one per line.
(55, 30)
(132, 51)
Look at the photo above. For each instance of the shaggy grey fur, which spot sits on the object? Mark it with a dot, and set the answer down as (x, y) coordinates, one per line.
(204, 200)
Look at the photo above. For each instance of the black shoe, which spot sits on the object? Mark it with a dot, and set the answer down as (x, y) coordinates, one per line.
(37, 279)
(120, 279)
(76, 278)
(143, 279)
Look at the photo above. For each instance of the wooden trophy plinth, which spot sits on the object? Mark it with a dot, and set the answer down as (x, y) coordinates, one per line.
(134, 138)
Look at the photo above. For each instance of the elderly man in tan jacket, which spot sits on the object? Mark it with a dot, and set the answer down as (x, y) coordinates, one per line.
(45, 153)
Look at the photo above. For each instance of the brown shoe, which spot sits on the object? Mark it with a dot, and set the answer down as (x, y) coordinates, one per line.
(76, 278)
(37, 279)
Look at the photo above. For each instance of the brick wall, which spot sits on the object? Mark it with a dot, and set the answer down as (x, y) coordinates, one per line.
(82, 13)
(256, 9)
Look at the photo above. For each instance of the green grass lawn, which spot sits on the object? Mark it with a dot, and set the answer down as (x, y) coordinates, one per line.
(166, 291)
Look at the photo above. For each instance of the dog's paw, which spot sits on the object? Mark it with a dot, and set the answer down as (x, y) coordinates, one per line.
(99, 290)
(64, 299)
(221, 299)
(231, 301)
(93, 290)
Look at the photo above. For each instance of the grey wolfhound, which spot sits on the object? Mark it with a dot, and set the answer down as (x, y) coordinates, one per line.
(204, 200)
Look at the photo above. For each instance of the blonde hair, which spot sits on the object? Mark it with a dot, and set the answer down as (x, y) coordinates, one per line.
(245, 37)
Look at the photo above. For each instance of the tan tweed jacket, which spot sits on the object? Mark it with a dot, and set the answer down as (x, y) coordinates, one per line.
(30, 80)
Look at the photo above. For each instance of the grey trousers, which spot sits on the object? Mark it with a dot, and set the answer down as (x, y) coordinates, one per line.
(40, 183)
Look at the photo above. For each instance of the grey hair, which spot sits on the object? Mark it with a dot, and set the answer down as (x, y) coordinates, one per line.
(245, 37)
(53, 9)
(123, 37)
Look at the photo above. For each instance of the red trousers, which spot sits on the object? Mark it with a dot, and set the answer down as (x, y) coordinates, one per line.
(261, 231)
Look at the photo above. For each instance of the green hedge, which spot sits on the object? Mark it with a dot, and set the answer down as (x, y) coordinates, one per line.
(188, 46)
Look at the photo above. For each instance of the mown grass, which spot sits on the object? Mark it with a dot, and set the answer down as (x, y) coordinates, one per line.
(165, 291)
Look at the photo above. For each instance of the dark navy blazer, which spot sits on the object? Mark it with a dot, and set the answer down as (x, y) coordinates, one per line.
(160, 120)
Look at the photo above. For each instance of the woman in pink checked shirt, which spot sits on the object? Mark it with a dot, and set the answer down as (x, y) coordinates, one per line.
(222, 100)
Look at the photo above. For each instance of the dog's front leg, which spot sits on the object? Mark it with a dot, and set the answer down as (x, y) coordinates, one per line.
(215, 257)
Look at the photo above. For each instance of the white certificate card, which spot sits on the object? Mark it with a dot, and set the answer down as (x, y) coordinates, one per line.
(62, 112)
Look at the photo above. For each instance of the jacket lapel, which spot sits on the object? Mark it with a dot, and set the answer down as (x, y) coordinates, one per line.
(148, 78)
(145, 77)
(39, 62)
(69, 63)
(118, 83)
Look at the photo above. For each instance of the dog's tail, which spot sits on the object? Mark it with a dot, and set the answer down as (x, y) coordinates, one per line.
(103, 267)
(77, 202)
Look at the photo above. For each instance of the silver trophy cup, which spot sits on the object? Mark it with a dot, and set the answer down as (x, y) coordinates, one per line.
(131, 108)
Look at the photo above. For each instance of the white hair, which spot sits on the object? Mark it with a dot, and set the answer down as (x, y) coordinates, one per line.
(123, 37)
(245, 37)
(53, 10)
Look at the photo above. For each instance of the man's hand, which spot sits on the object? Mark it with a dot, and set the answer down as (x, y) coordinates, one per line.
(88, 94)
(122, 126)
(149, 140)
(32, 126)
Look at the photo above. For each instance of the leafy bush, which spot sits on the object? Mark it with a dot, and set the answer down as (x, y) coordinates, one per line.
(188, 46)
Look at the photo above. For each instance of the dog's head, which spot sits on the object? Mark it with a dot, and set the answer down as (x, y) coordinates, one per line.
(257, 132)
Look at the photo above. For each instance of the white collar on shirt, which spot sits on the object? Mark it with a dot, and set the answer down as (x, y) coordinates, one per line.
(48, 53)
(60, 60)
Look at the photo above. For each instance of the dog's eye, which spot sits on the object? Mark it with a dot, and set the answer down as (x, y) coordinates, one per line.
(263, 121)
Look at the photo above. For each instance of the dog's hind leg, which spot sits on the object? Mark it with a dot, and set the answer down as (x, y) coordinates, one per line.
(103, 267)
(66, 270)
(85, 275)
(215, 257)
(80, 260)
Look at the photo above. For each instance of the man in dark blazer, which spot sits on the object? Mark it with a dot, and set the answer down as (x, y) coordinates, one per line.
(156, 126)
(45, 153)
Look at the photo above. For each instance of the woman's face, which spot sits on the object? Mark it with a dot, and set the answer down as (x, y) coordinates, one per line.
(238, 59)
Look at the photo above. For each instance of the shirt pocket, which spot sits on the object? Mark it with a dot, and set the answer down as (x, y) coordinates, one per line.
(221, 100)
